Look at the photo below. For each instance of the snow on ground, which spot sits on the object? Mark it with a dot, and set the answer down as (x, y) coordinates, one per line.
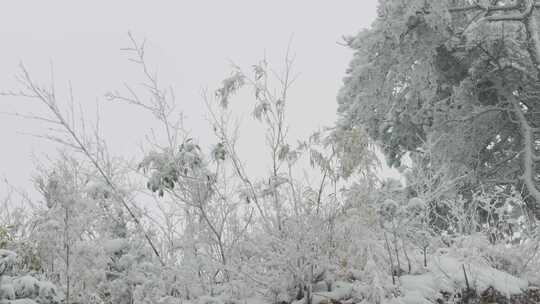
(23, 301)
(445, 274)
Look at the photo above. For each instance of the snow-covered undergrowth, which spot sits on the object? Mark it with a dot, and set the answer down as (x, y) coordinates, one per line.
(24, 289)
(451, 276)
(447, 280)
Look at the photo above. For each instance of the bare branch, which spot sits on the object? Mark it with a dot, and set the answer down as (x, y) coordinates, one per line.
(529, 6)
(528, 156)
(47, 97)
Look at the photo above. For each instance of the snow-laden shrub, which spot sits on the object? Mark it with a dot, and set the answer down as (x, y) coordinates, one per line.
(7, 260)
(24, 288)
(7, 292)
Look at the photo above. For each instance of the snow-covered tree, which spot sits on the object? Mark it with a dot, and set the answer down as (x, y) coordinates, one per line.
(462, 72)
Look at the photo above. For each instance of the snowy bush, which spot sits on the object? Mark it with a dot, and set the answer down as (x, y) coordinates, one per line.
(24, 288)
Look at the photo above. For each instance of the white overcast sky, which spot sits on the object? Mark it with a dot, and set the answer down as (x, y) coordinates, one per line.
(190, 44)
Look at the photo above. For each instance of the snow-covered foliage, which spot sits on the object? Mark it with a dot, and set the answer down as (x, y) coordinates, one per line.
(454, 86)
(431, 82)
(23, 288)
